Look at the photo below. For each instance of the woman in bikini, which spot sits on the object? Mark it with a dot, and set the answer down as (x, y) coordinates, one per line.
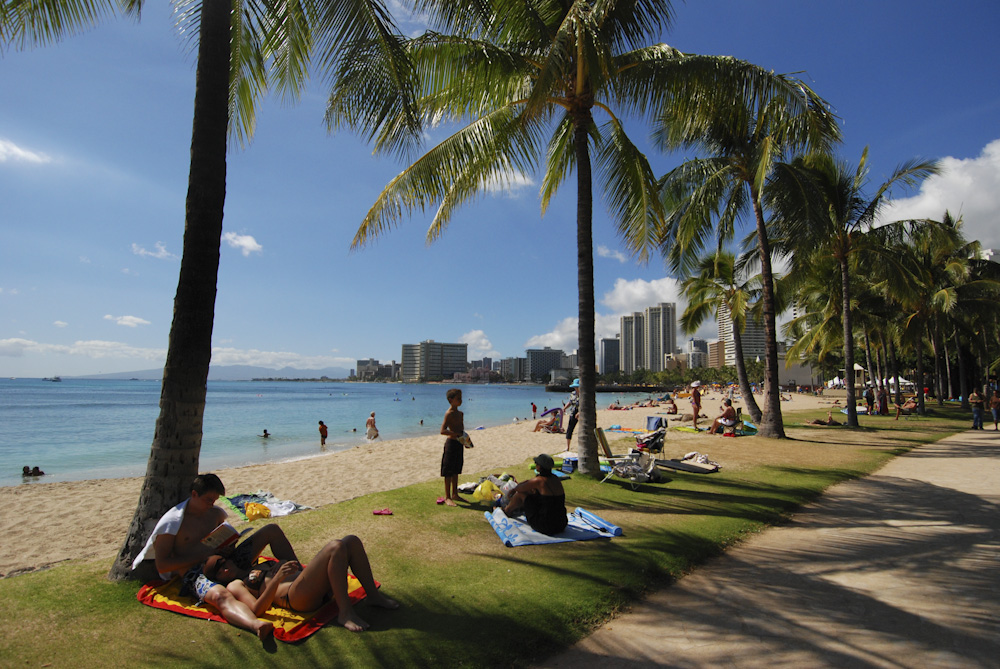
(288, 585)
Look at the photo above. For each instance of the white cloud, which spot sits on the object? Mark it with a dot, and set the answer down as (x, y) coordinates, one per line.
(605, 252)
(16, 348)
(630, 296)
(11, 152)
(479, 345)
(10, 291)
(245, 243)
(564, 336)
(85, 260)
(127, 321)
(970, 187)
(160, 252)
(509, 183)
(60, 324)
(128, 272)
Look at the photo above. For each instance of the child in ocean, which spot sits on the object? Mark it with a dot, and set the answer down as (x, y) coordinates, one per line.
(453, 458)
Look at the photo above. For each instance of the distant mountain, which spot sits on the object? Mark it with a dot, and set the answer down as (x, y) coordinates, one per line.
(233, 373)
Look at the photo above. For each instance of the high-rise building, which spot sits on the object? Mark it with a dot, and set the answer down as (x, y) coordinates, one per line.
(513, 369)
(611, 355)
(433, 360)
(753, 338)
(660, 338)
(716, 354)
(631, 347)
(541, 361)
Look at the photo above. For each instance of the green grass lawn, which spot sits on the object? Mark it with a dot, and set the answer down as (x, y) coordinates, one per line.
(468, 601)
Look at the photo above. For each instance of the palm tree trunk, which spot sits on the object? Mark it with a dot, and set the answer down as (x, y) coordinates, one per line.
(947, 370)
(934, 332)
(921, 407)
(173, 459)
(963, 377)
(894, 369)
(771, 423)
(586, 440)
(741, 375)
(870, 359)
(845, 292)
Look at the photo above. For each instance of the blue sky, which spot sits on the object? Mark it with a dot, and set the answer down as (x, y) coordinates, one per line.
(94, 146)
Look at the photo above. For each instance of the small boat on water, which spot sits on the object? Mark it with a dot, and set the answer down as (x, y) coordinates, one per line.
(54, 379)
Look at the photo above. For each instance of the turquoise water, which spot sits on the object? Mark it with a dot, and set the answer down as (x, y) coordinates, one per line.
(78, 430)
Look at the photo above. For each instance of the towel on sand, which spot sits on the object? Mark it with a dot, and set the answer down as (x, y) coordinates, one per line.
(582, 526)
(289, 626)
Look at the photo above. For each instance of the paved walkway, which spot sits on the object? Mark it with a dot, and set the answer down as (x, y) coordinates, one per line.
(900, 569)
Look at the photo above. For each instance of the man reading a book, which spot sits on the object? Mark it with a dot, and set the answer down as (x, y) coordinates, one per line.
(178, 545)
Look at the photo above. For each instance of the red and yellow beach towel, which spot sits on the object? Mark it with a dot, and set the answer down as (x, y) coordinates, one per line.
(289, 626)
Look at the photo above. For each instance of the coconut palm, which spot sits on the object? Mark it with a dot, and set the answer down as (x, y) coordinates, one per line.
(820, 207)
(743, 139)
(244, 47)
(714, 288)
(525, 79)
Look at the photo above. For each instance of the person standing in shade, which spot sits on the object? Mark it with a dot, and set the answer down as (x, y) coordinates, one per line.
(883, 401)
(322, 434)
(978, 404)
(995, 408)
(570, 410)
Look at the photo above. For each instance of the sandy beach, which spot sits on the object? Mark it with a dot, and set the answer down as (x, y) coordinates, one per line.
(47, 523)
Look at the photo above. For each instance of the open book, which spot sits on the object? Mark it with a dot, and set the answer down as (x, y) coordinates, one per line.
(224, 535)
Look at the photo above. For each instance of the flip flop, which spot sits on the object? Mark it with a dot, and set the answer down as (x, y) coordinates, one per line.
(382, 512)
(440, 500)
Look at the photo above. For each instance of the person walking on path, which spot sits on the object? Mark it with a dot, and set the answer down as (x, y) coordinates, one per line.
(978, 404)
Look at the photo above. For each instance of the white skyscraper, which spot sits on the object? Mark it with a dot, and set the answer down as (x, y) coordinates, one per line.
(661, 335)
(752, 338)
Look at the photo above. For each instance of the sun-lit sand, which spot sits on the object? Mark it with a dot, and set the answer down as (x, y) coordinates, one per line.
(46, 523)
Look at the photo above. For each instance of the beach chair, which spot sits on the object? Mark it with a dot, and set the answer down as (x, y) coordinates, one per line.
(641, 469)
(602, 440)
(556, 420)
(736, 429)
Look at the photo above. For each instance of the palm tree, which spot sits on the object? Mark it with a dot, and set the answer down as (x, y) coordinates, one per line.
(744, 137)
(243, 47)
(820, 207)
(516, 72)
(713, 289)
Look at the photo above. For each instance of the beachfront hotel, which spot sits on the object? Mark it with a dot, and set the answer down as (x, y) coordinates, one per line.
(648, 338)
(430, 360)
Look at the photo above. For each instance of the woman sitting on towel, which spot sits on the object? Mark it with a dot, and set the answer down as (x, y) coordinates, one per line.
(288, 585)
(541, 498)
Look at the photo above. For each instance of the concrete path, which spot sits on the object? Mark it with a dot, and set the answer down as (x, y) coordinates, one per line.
(901, 569)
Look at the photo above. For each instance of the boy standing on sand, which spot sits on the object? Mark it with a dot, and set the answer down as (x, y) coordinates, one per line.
(453, 458)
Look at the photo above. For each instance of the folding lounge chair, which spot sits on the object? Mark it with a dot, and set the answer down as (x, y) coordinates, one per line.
(605, 448)
(636, 472)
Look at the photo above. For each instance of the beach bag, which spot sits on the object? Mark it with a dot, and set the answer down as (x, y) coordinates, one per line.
(486, 492)
(255, 511)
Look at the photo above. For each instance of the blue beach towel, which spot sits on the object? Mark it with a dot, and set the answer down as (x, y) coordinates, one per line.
(583, 526)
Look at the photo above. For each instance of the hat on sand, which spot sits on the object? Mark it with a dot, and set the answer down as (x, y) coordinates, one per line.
(575, 384)
(695, 384)
(544, 461)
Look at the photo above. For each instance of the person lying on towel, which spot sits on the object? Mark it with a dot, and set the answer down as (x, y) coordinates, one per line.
(541, 499)
(287, 584)
(175, 547)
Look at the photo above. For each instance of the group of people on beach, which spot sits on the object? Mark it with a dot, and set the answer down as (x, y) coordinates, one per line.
(235, 582)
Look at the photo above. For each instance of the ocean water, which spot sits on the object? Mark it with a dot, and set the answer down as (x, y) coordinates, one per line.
(89, 429)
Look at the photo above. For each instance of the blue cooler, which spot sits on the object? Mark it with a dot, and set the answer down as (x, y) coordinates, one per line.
(569, 465)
